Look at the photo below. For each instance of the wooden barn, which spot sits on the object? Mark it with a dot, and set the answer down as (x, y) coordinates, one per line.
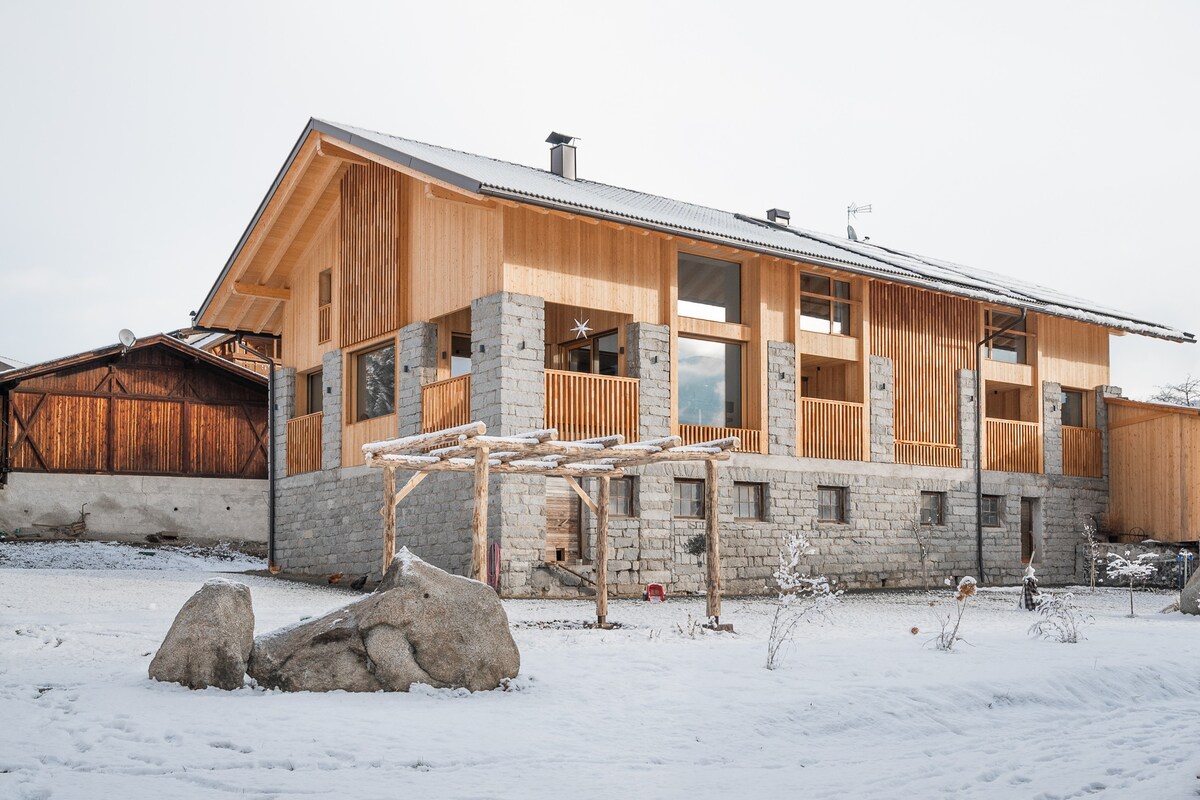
(158, 436)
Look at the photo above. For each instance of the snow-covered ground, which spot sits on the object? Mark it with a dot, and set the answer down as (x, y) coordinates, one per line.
(860, 707)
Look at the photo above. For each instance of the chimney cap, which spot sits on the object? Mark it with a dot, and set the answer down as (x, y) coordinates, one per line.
(559, 138)
(778, 215)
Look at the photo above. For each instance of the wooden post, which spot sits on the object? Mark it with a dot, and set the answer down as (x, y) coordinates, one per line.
(389, 516)
(479, 531)
(602, 552)
(714, 542)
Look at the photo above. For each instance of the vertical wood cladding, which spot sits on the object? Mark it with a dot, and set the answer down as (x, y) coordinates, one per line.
(152, 412)
(929, 337)
(370, 286)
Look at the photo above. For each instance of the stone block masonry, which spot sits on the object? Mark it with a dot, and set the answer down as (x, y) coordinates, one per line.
(331, 417)
(968, 411)
(781, 398)
(1052, 439)
(416, 365)
(883, 407)
(648, 356)
(284, 408)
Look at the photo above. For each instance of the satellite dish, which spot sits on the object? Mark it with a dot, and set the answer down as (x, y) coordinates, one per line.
(127, 338)
(850, 234)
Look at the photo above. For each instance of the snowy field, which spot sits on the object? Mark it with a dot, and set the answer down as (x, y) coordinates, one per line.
(860, 708)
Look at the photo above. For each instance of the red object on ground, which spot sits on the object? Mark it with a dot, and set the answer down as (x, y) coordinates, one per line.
(655, 593)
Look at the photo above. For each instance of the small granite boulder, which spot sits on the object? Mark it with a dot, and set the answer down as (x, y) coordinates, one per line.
(422, 625)
(1189, 598)
(210, 640)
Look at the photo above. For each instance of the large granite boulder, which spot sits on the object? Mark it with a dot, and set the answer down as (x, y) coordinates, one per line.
(1189, 598)
(421, 625)
(210, 640)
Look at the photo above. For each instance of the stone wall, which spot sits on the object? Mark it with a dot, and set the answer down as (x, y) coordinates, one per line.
(883, 405)
(331, 416)
(648, 358)
(1052, 439)
(781, 398)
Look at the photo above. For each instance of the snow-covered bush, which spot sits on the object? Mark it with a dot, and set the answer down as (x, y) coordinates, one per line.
(951, 622)
(1060, 619)
(1136, 569)
(801, 596)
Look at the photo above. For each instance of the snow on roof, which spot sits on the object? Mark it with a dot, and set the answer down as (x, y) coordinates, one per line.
(491, 176)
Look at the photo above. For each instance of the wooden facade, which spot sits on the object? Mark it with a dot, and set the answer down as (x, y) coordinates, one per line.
(162, 408)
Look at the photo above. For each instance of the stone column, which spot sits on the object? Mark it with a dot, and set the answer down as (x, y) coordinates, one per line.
(968, 408)
(331, 408)
(284, 379)
(1052, 439)
(781, 398)
(416, 365)
(648, 358)
(1102, 393)
(883, 404)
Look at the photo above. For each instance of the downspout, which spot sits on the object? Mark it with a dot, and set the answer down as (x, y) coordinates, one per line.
(979, 404)
(270, 450)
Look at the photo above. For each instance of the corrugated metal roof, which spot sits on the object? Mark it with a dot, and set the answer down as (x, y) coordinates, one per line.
(516, 181)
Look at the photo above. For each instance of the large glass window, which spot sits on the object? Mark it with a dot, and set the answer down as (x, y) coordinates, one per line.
(820, 309)
(314, 392)
(689, 499)
(1011, 345)
(599, 355)
(375, 372)
(1072, 408)
(710, 289)
(460, 355)
(710, 383)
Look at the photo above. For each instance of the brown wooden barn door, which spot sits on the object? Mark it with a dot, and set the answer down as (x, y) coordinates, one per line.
(562, 522)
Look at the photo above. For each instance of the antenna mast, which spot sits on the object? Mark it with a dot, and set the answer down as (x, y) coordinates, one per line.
(853, 210)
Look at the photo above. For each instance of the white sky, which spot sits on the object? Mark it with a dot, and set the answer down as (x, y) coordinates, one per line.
(1052, 141)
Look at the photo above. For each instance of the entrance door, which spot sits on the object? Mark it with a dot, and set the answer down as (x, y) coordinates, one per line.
(1028, 514)
(562, 522)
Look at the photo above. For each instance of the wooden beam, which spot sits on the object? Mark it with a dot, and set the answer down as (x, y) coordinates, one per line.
(389, 517)
(299, 220)
(602, 553)
(587, 501)
(479, 532)
(435, 192)
(713, 529)
(328, 149)
(255, 290)
(402, 169)
(413, 483)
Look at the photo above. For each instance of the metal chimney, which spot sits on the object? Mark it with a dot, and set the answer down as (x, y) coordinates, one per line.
(779, 216)
(562, 155)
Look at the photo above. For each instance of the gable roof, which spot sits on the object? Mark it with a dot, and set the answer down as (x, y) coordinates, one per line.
(502, 179)
(12, 377)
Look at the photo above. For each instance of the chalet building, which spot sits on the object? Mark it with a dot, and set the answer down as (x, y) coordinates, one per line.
(415, 287)
(157, 436)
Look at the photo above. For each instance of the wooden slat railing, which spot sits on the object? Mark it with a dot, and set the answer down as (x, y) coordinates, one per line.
(252, 364)
(751, 439)
(829, 429)
(928, 454)
(446, 404)
(1011, 446)
(324, 323)
(1082, 452)
(582, 406)
(304, 443)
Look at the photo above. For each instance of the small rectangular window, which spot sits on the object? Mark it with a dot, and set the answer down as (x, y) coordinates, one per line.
(991, 510)
(375, 380)
(460, 355)
(710, 289)
(1072, 408)
(689, 499)
(325, 287)
(831, 504)
(932, 511)
(1011, 345)
(749, 501)
(620, 497)
(314, 392)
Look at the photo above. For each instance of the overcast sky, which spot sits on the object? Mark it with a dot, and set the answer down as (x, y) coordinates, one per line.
(1051, 141)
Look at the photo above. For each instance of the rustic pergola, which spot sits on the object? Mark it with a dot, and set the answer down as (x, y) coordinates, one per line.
(468, 448)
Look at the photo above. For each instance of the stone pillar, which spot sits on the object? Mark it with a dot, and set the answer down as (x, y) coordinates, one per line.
(331, 410)
(416, 365)
(1102, 393)
(781, 398)
(508, 372)
(883, 418)
(1052, 439)
(968, 407)
(648, 358)
(284, 379)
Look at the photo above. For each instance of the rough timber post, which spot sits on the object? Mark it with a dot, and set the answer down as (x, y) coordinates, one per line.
(479, 516)
(602, 552)
(714, 542)
(389, 517)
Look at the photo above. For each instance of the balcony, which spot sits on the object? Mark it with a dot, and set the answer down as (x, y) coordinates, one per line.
(324, 323)
(1082, 454)
(751, 439)
(1012, 446)
(446, 404)
(304, 443)
(582, 405)
(829, 429)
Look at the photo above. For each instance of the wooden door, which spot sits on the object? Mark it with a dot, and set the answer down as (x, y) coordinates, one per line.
(562, 522)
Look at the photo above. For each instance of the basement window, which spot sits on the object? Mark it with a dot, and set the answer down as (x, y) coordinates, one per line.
(933, 508)
(375, 381)
(991, 510)
(620, 497)
(831, 504)
(710, 289)
(749, 501)
(689, 499)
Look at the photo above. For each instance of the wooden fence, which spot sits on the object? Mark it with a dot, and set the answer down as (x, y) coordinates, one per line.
(304, 443)
(446, 404)
(1082, 454)
(829, 429)
(1012, 446)
(583, 406)
(929, 454)
(751, 439)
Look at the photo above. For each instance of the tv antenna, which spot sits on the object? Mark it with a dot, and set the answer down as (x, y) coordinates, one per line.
(853, 210)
